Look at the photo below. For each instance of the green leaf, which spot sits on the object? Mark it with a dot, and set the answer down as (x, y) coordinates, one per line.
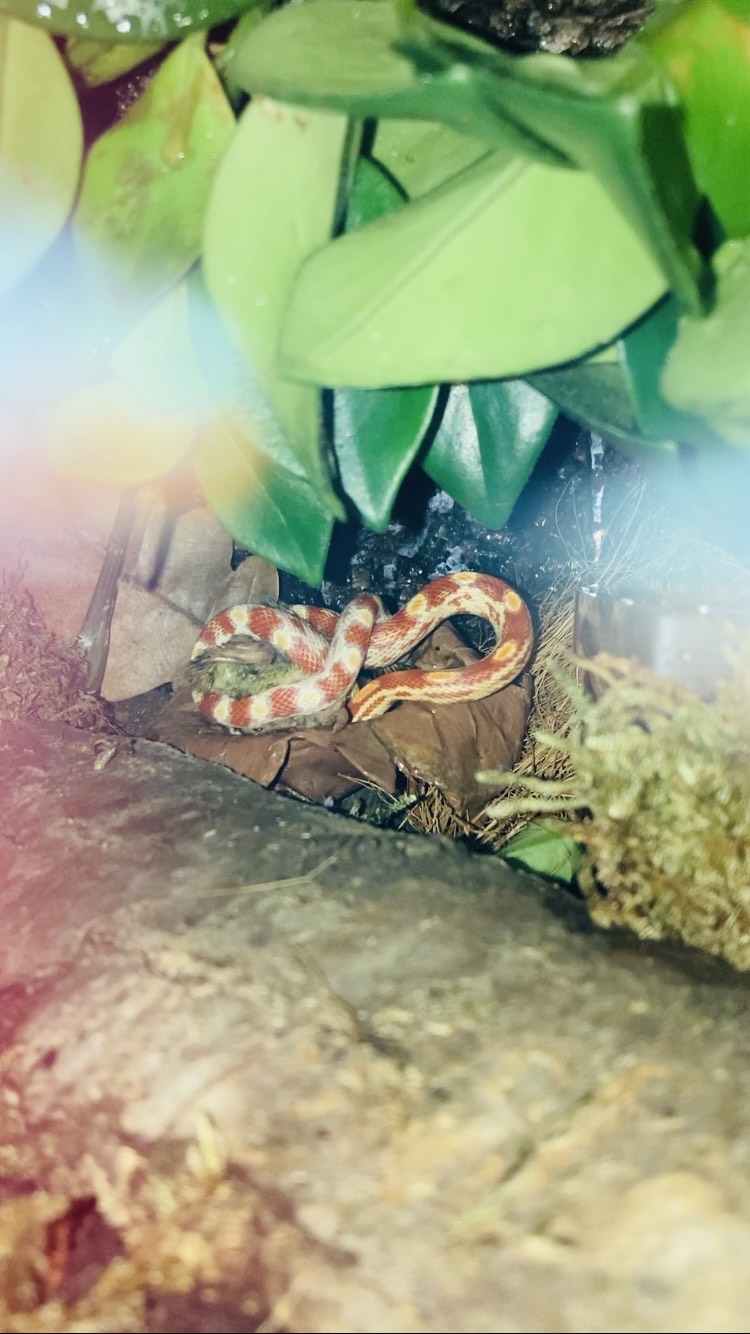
(337, 53)
(377, 433)
(706, 51)
(344, 55)
(104, 433)
(599, 395)
(617, 118)
(708, 369)
(643, 354)
(126, 20)
(146, 184)
(373, 195)
(264, 506)
(423, 154)
(544, 849)
(509, 267)
(619, 395)
(247, 470)
(739, 7)
(224, 58)
(40, 148)
(273, 203)
(101, 62)
(139, 417)
(488, 442)
(157, 357)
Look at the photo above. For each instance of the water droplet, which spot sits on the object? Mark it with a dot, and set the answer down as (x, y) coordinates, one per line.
(123, 25)
(44, 11)
(82, 20)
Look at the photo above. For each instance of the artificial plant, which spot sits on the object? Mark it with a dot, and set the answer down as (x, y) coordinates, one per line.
(325, 243)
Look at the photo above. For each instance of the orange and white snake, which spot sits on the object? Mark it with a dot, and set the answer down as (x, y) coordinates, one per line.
(332, 649)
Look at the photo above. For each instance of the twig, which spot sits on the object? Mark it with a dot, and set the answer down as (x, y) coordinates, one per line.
(259, 887)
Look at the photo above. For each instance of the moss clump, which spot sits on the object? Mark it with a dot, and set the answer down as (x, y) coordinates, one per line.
(666, 780)
(661, 799)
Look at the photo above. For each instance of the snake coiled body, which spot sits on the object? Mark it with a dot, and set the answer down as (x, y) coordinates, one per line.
(332, 649)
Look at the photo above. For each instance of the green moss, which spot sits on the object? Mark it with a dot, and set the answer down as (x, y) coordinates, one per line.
(665, 777)
(661, 796)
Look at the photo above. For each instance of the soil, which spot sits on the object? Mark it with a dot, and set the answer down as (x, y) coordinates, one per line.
(267, 1068)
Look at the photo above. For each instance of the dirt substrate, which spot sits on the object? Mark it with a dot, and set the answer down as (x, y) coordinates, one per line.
(263, 1068)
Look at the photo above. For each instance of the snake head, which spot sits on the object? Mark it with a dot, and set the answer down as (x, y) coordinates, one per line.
(244, 650)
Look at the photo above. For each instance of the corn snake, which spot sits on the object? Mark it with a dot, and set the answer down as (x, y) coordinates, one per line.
(331, 649)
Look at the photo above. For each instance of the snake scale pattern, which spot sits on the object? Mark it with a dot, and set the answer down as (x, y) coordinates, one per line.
(332, 650)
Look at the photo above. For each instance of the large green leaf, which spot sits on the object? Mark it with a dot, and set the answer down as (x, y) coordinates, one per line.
(337, 53)
(423, 154)
(273, 203)
(126, 20)
(618, 392)
(377, 435)
(489, 439)
(512, 266)
(343, 55)
(708, 369)
(101, 62)
(739, 7)
(248, 472)
(40, 148)
(707, 53)
(643, 353)
(139, 219)
(377, 432)
(617, 118)
(599, 395)
(137, 417)
(267, 508)
(157, 358)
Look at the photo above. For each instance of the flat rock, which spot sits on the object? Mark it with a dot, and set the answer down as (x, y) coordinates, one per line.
(265, 1068)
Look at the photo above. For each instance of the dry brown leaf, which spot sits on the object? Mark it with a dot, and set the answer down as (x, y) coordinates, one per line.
(254, 580)
(173, 569)
(447, 744)
(316, 762)
(325, 763)
(258, 757)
